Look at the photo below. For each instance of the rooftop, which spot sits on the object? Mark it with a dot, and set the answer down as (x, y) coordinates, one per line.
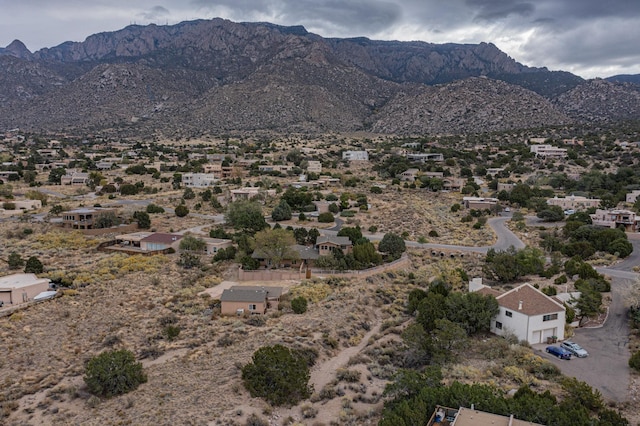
(529, 301)
(20, 280)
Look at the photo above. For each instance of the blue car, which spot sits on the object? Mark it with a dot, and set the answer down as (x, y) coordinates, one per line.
(559, 352)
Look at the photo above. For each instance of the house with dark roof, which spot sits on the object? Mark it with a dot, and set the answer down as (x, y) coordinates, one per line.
(327, 244)
(239, 300)
(299, 257)
(527, 313)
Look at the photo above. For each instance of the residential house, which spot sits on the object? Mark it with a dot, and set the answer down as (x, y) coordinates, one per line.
(616, 218)
(300, 257)
(527, 313)
(548, 151)
(327, 244)
(21, 288)
(505, 186)
(444, 416)
(574, 202)
(280, 168)
(479, 203)
(314, 167)
(82, 218)
(355, 155)
(214, 244)
(7, 176)
(409, 175)
(453, 184)
(199, 180)
(239, 300)
(74, 178)
(632, 197)
(421, 157)
(249, 193)
(145, 242)
(219, 171)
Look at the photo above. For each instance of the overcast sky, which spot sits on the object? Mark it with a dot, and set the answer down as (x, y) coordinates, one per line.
(590, 38)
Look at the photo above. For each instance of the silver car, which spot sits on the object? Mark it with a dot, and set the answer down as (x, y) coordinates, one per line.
(575, 349)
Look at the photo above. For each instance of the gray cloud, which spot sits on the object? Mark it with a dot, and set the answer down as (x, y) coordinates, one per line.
(156, 12)
(587, 37)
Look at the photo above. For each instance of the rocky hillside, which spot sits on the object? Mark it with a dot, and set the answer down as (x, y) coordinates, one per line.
(212, 76)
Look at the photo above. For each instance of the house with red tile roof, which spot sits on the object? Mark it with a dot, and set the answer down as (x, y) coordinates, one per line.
(527, 313)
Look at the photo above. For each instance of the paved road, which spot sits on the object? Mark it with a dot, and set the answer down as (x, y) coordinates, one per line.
(606, 368)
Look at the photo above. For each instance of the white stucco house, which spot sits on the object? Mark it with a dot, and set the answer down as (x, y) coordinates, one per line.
(528, 314)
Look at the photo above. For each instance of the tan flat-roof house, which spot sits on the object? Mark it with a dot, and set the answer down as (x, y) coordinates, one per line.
(81, 218)
(574, 202)
(21, 288)
(239, 300)
(479, 203)
(471, 417)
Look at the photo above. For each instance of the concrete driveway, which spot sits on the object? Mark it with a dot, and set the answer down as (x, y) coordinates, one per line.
(606, 368)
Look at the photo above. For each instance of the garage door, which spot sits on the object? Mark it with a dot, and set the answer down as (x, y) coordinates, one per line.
(537, 337)
(548, 333)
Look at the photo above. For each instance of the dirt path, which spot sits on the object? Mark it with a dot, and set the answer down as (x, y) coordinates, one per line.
(325, 372)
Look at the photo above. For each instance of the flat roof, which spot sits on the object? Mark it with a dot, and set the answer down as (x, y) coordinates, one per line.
(469, 417)
(20, 281)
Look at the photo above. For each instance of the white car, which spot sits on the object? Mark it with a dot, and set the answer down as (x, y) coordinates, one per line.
(575, 349)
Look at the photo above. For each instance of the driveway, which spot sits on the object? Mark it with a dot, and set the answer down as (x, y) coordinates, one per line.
(606, 368)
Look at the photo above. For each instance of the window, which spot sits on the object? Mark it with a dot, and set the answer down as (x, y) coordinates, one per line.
(508, 313)
(550, 317)
(253, 307)
(498, 325)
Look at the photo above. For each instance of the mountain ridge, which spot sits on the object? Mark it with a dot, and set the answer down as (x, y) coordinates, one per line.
(215, 75)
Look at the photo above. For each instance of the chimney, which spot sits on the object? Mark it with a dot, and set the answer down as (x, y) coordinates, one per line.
(520, 305)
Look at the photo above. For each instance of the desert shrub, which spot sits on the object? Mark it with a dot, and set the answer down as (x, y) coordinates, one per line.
(278, 374)
(255, 420)
(113, 373)
(299, 305)
(550, 291)
(346, 375)
(562, 279)
(309, 411)
(256, 320)
(433, 233)
(171, 332)
(634, 361)
(15, 261)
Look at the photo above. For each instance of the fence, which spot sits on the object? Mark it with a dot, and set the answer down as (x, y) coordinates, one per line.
(281, 275)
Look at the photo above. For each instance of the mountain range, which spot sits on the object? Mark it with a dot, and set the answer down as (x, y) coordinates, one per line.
(217, 76)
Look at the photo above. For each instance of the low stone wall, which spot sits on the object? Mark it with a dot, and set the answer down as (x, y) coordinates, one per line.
(287, 274)
(132, 227)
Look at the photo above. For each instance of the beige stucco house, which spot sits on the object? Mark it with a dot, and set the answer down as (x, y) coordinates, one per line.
(21, 288)
(239, 300)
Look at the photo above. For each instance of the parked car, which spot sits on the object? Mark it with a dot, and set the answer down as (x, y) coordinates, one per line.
(559, 352)
(575, 349)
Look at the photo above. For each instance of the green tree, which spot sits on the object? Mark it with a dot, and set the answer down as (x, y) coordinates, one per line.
(105, 219)
(193, 244)
(278, 374)
(189, 260)
(245, 216)
(366, 255)
(55, 175)
(143, 219)
(181, 210)
(447, 340)
(281, 212)
(326, 217)
(551, 214)
(188, 194)
(154, 208)
(275, 245)
(128, 189)
(299, 304)
(354, 233)
(472, 311)
(588, 304)
(33, 266)
(15, 261)
(113, 373)
(393, 245)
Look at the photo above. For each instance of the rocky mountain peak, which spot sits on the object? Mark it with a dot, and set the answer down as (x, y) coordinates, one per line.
(16, 48)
